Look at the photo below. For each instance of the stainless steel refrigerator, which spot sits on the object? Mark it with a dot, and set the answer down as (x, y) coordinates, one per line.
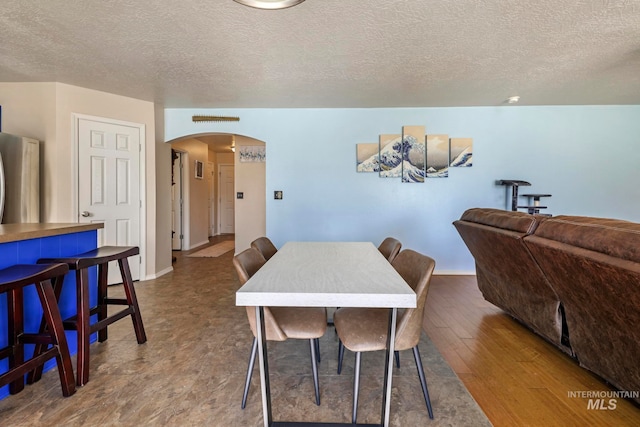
(19, 179)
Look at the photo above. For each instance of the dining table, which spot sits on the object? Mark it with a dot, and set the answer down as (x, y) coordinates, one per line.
(325, 274)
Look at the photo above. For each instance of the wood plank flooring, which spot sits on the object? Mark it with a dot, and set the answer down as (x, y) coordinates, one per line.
(517, 378)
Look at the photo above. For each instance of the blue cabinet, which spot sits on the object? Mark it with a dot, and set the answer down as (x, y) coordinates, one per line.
(28, 252)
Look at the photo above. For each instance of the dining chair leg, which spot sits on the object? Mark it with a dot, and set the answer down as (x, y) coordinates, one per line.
(397, 355)
(356, 387)
(252, 361)
(317, 343)
(340, 355)
(314, 369)
(423, 381)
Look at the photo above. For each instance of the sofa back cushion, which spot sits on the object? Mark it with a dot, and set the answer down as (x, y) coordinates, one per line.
(614, 237)
(519, 222)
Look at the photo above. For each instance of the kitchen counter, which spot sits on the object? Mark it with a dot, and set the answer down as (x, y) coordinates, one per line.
(18, 232)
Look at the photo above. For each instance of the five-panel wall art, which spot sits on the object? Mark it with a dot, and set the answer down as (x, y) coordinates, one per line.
(414, 155)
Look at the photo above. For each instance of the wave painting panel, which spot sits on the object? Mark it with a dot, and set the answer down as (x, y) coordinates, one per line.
(413, 154)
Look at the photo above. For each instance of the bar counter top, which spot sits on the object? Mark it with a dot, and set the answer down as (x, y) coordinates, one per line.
(25, 231)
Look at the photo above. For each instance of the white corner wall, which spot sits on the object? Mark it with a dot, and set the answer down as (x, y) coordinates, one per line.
(250, 212)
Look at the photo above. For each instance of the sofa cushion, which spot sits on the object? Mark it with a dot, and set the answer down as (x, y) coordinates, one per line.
(613, 237)
(507, 220)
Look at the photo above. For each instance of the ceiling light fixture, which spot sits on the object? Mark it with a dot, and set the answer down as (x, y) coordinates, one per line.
(513, 99)
(269, 4)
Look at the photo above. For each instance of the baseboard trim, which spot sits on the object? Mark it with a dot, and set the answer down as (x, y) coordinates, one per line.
(159, 273)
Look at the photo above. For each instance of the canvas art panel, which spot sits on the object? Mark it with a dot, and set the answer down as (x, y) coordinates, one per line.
(367, 157)
(413, 154)
(252, 153)
(437, 156)
(461, 150)
(390, 157)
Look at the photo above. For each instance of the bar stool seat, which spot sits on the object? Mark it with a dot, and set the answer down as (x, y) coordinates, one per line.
(81, 322)
(13, 280)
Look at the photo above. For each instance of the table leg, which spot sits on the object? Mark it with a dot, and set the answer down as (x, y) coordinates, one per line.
(264, 367)
(388, 367)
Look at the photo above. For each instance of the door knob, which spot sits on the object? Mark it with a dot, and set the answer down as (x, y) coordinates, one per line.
(85, 214)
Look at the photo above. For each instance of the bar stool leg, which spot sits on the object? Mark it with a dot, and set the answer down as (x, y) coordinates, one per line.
(16, 328)
(84, 328)
(136, 318)
(103, 274)
(36, 374)
(54, 322)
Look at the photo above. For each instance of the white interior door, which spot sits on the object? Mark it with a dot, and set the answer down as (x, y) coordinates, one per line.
(109, 185)
(227, 199)
(176, 204)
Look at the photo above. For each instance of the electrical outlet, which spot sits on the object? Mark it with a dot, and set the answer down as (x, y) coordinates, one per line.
(239, 195)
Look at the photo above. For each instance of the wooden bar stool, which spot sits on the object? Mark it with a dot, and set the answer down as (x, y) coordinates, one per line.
(12, 282)
(81, 322)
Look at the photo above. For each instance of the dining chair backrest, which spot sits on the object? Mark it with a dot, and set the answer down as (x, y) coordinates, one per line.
(416, 269)
(247, 263)
(265, 247)
(390, 248)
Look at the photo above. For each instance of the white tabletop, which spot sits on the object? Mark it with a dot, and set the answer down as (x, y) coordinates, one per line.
(327, 274)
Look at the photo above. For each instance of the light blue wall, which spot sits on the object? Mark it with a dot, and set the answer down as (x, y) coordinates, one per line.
(586, 157)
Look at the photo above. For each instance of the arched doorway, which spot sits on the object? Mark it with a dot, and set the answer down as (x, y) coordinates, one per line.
(202, 197)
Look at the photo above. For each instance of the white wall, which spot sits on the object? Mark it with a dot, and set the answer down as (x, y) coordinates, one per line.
(163, 204)
(250, 213)
(586, 157)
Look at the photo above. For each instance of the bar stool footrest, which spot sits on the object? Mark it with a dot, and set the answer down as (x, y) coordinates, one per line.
(36, 339)
(71, 323)
(29, 365)
(101, 324)
(6, 352)
(116, 301)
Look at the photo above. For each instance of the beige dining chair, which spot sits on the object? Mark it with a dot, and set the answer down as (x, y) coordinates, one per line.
(280, 323)
(265, 247)
(366, 329)
(390, 248)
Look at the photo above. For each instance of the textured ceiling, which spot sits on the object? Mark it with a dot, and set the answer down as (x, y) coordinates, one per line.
(330, 53)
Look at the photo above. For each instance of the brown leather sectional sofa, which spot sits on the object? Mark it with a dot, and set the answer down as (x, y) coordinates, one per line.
(573, 280)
